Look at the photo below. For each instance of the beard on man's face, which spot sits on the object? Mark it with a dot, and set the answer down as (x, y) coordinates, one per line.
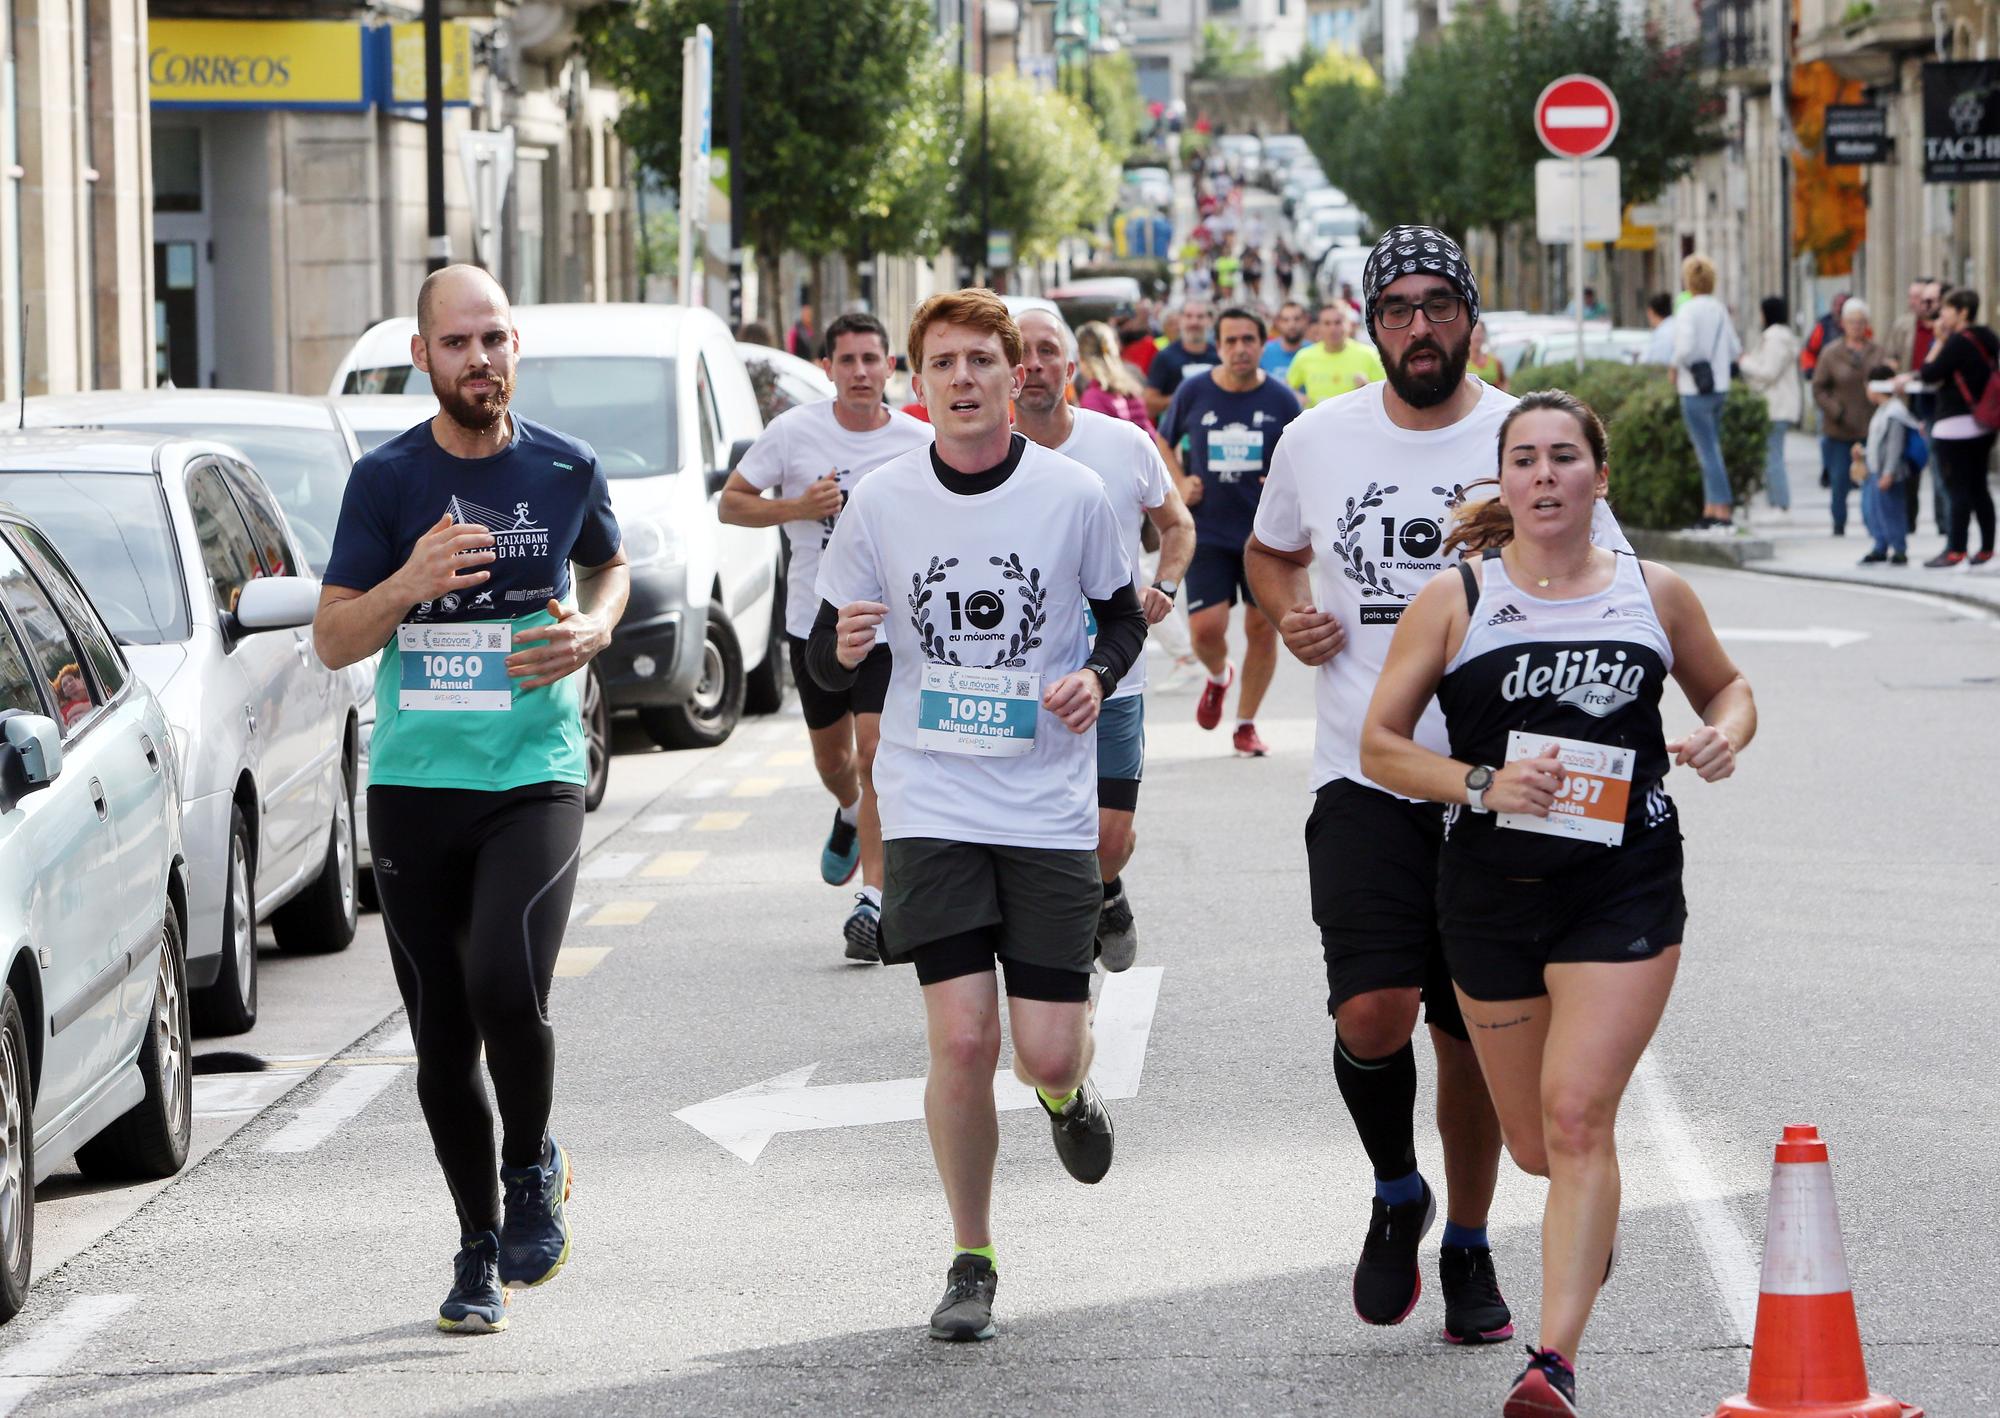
(477, 413)
(1423, 391)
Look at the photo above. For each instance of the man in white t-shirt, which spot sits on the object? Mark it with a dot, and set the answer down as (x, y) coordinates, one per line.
(799, 475)
(1350, 527)
(1135, 478)
(982, 557)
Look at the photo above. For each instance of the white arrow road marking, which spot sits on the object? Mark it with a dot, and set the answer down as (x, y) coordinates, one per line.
(53, 1343)
(1577, 115)
(744, 1121)
(1811, 635)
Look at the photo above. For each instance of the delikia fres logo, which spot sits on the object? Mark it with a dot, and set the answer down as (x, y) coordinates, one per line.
(1577, 678)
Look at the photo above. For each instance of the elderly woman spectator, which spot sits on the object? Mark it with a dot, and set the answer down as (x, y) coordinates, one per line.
(1771, 367)
(1705, 346)
(1840, 389)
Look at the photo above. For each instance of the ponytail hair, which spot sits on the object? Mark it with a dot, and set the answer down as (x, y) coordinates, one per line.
(1484, 523)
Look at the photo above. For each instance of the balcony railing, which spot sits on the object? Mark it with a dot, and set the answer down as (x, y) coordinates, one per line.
(1735, 34)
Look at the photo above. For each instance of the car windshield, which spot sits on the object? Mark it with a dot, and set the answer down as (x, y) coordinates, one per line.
(112, 529)
(622, 407)
(305, 468)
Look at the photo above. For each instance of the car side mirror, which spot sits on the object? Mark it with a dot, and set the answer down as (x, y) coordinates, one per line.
(275, 603)
(30, 755)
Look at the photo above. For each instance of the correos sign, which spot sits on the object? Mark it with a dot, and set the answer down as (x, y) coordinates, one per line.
(256, 63)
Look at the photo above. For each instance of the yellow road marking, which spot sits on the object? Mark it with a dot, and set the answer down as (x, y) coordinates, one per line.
(621, 913)
(673, 864)
(580, 959)
(756, 787)
(721, 821)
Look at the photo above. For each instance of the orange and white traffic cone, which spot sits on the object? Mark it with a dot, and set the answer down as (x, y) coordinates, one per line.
(1805, 1361)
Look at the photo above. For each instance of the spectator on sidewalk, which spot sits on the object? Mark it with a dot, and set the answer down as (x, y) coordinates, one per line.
(1916, 335)
(1660, 316)
(1840, 389)
(1771, 367)
(1824, 332)
(1965, 357)
(803, 340)
(1705, 347)
(1882, 464)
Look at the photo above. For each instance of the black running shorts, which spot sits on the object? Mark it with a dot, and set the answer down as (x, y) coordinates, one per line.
(1034, 906)
(1499, 931)
(824, 707)
(1215, 577)
(1373, 861)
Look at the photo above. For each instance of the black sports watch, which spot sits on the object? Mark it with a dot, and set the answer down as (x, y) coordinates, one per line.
(1169, 589)
(1103, 673)
(1476, 783)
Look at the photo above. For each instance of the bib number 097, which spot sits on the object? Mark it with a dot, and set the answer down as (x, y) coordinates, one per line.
(454, 666)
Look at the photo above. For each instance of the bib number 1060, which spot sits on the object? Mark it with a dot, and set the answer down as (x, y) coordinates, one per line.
(984, 711)
(453, 666)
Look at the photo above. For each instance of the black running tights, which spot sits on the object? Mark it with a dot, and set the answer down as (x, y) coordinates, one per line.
(1963, 463)
(475, 889)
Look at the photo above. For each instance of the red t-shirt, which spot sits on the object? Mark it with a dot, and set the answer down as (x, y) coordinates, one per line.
(1920, 344)
(1139, 354)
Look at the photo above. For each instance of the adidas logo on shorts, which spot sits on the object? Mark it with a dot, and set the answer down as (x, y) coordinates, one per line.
(1506, 614)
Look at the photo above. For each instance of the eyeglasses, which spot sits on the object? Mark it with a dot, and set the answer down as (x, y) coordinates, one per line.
(1439, 310)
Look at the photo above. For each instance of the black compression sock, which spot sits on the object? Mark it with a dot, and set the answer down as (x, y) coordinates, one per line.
(1381, 1097)
(1113, 887)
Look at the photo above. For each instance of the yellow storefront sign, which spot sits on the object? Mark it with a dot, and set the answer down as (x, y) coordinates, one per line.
(256, 63)
(406, 63)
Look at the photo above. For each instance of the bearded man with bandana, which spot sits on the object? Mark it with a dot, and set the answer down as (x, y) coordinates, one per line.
(1350, 527)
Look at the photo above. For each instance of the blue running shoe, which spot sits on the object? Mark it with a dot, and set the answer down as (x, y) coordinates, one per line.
(534, 1238)
(864, 930)
(841, 856)
(477, 1304)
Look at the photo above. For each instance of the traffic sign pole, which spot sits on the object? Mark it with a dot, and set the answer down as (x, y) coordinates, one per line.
(1576, 117)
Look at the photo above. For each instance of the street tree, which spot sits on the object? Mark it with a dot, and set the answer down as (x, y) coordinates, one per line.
(1225, 54)
(824, 87)
(1047, 175)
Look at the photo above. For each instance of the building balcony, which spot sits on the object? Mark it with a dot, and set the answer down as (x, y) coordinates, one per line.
(1864, 39)
(1734, 40)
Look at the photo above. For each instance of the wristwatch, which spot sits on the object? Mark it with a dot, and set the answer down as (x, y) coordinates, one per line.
(1103, 673)
(1476, 784)
(1167, 588)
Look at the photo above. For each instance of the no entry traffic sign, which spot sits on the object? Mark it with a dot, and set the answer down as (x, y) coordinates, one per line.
(1576, 116)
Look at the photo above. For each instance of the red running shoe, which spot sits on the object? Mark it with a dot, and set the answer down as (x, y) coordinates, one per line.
(1247, 743)
(1980, 558)
(1208, 709)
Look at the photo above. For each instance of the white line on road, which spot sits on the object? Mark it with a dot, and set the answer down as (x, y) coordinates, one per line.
(746, 1120)
(316, 1121)
(610, 866)
(706, 788)
(53, 1343)
(1730, 1257)
(1811, 635)
(662, 822)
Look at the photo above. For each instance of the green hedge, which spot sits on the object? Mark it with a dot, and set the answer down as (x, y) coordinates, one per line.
(1655, 478)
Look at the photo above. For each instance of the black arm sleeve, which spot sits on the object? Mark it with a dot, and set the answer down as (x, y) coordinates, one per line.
(1121, 634)
(822, 651)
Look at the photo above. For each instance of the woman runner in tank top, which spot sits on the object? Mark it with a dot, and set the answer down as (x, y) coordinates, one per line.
(1559, 886)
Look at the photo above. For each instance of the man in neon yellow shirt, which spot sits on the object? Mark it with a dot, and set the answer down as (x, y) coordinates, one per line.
(1336, 364)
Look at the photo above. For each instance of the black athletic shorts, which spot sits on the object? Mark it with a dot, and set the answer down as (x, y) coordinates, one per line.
(1499, 931)
(824, 707)
(1373, 862)
(1215, 577)
(957, 908)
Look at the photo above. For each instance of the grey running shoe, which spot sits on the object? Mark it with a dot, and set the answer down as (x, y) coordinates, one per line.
(966, 1311)
(1117, 935)
(1083, 1133)
(864, 931)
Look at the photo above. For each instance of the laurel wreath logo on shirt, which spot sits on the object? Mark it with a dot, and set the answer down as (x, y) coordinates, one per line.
(1355, 563)
(1033, 617)
(920, 614)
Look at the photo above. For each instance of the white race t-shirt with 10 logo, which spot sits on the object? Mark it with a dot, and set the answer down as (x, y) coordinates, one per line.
(1135, 479)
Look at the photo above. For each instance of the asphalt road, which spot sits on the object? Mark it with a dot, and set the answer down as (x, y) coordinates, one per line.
(1839, 966)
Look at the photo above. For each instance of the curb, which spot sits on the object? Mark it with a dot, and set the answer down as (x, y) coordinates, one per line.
(1700, 547)
(1770, 566)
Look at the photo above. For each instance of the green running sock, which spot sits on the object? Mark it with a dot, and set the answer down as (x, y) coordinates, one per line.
(986, 1251)
(1052, 1103)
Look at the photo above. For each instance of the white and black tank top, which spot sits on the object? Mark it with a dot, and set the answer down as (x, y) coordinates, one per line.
(1590, 668)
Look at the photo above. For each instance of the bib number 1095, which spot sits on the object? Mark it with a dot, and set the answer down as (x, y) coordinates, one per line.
(984, 713)
(978, 711)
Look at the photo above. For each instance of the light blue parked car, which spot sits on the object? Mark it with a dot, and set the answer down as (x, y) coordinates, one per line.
(94, 1041)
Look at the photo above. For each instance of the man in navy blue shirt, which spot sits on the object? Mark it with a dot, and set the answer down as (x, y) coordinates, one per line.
(452, 559)
(1231, 416)
(1186, 357)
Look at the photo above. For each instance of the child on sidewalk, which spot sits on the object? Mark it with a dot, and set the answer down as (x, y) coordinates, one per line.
(1882, 465)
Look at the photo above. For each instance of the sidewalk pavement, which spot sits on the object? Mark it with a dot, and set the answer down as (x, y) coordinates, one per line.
(1801, 543)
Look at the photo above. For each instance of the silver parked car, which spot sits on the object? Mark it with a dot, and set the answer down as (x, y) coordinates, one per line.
(187, 555)
(94, 1044)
